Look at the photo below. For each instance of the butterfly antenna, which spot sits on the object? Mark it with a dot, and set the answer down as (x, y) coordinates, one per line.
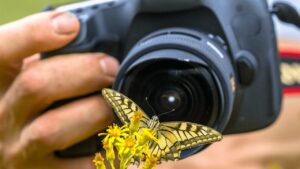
(154, 110)
(150, 106)
(166, 112)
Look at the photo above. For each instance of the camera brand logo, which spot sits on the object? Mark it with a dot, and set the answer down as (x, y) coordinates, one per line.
(290, 72)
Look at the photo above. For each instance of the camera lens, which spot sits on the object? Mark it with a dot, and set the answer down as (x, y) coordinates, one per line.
(174, 90)
(169, 100)
(180, 75)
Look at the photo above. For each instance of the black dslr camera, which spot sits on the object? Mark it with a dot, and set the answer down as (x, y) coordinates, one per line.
(213, 62)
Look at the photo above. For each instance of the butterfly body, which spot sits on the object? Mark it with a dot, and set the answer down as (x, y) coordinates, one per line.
(173, 137)
(153, 123)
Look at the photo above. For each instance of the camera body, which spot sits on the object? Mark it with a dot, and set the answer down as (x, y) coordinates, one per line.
(217, 60)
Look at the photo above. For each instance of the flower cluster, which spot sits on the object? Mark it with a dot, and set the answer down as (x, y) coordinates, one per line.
(127, 145)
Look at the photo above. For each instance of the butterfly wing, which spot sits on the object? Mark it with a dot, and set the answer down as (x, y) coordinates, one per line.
(167, 146)
(190, 135)
(124, 107)
(173, 137)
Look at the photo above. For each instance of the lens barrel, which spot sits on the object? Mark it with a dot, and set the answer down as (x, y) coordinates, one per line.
(174, 90)
(180, 75)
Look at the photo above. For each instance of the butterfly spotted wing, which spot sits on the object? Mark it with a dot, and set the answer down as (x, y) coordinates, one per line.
(173, 137)
(124, 107)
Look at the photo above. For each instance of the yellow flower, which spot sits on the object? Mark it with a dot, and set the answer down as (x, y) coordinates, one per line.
(115, 133)
(126, 150)
(99, 161)
(131, 143)
(109, 149)
(127, 146)
(146, 135)
(150, 162)
(110, 153)
(135, 121)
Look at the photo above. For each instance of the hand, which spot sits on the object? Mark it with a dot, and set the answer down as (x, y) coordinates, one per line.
(29, 85)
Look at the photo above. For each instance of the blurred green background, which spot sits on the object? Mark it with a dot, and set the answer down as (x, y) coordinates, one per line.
(14, 9)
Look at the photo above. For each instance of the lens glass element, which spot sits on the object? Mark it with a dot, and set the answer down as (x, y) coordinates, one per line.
(174, 90)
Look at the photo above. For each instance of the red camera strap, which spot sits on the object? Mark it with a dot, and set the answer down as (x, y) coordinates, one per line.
(290, 72)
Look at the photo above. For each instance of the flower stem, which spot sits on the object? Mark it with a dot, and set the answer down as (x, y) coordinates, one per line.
(112, 164)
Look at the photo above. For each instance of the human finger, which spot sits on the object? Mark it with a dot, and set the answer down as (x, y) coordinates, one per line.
(27, 62)
(62, 127)
(56, 79)
(37, 33)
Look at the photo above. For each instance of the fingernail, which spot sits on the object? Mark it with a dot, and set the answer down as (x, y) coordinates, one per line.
(65, 23)
(109, 65)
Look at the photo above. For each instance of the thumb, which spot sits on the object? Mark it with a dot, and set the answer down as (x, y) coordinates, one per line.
(37, 33)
